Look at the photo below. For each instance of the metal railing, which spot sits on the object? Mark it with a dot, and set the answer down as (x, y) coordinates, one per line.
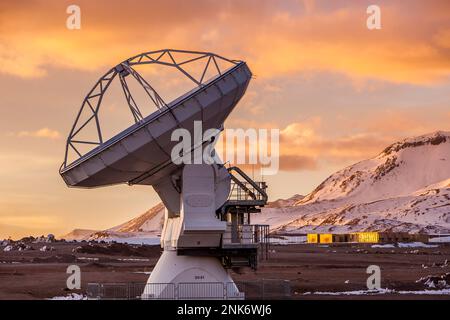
(249, 192)
(201, 290)
(246, 189)
(261, 236)
(257, 289)
(271, 289)
(160, 291)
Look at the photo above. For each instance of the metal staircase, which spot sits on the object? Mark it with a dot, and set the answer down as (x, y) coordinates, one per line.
(245, 192)
(247, 243)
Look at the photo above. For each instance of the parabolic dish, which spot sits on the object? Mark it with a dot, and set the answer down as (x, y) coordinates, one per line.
(141, 154)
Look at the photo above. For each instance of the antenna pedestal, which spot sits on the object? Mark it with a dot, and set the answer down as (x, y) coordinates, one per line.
(189, 277)
(197, 229)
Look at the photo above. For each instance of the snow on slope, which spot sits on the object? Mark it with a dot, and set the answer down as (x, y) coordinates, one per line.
(78, 234)
(405, 188)
(144, 229)
(402, 168)
(151, 221)
(280, 203)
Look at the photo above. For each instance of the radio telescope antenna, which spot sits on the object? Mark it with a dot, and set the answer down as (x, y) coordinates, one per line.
(207, 219)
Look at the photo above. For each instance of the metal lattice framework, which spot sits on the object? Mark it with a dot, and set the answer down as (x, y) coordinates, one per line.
(167, 57)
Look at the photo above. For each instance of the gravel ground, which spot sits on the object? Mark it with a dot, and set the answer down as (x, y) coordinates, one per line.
(313, 271)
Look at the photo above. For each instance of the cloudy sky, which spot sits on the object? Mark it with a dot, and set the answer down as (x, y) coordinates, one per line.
(338, 92)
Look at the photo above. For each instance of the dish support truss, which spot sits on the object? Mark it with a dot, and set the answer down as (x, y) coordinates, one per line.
(167, 57)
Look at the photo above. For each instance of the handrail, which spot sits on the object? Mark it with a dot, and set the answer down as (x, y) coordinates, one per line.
(249, 289)
(250, 181)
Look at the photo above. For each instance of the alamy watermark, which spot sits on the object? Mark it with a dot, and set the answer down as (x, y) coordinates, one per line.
(373, 21)
(258, 147)
(73, 21)
(74, 280)
(374, 280)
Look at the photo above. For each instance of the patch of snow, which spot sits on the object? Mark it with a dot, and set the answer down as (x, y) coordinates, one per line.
(440, 239)
(436, 281)
(132, 259)
(379, 292)
(72, 296)
(430, 284)
(383, 246)
(427, 292)
(351, 293)
(416, 245)
(88, 258)
(8, 248)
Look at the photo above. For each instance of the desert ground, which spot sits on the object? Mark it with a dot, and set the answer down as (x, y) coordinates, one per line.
(312, 271)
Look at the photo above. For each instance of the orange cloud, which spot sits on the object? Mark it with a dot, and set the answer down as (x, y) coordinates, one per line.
(41, 133)
(303, 139)
(297, 162)
(273, 39)
(304, 145)
(373, 133)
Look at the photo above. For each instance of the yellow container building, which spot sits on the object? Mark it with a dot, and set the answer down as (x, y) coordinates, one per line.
(326, 238)
(368, 237)
(312, 238)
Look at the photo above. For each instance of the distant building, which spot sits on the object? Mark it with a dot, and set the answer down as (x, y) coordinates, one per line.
(326, 238)
(367, 237)
(312, 238)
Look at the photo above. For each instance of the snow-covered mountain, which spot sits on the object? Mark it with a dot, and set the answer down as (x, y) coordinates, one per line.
(150, 222)
(405, 188)
(281, 203)
(401, 169)
(147, 225)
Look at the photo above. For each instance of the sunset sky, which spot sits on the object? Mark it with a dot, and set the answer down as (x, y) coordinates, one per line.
(338, 92)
